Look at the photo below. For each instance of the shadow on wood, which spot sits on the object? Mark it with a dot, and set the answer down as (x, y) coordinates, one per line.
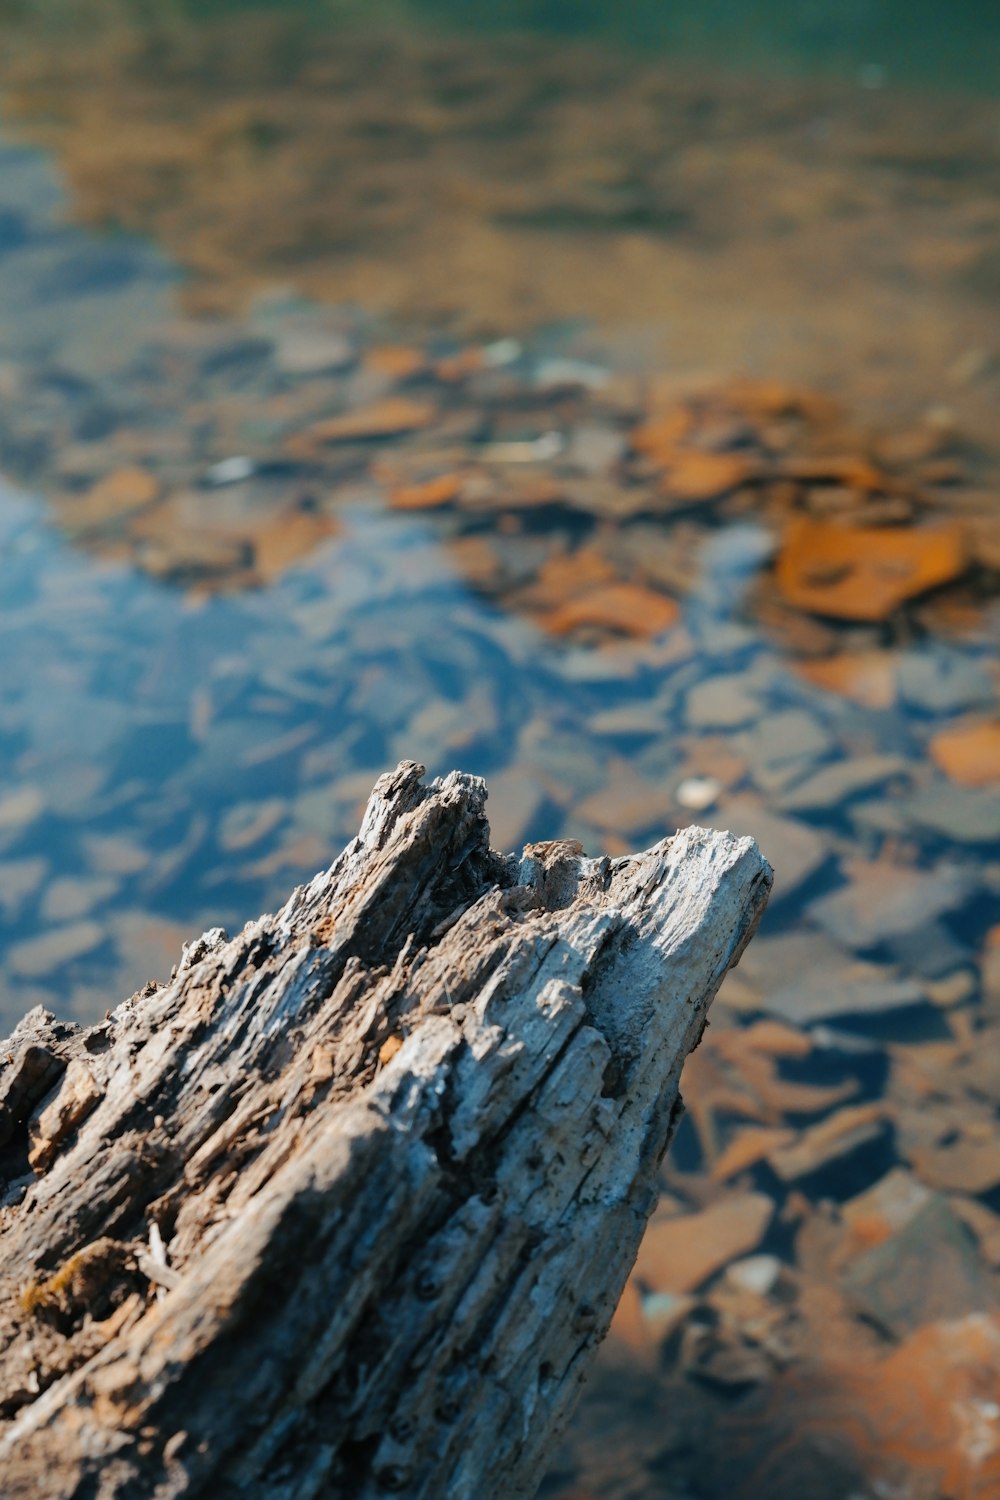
(344, 1209)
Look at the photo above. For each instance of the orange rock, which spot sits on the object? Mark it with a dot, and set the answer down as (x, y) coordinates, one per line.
(396, 360)
(921, 1422)
(456, 367)
(749, 1146)
(288, 537)
(773, 398)
(867, 677)
(565, 575)
(880, 1211)
(678, 1255)
(777, 1039)
(388, 418)
(860, 573)
(969, 753)
(427, 494)
(659, 435)
(625, 607)
(694, 474)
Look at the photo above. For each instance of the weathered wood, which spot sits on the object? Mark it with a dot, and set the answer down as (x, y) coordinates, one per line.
(345, 1208)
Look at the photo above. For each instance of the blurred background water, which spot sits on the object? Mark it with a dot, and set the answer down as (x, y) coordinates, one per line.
(602, 399)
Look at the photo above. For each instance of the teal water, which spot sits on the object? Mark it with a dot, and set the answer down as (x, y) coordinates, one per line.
(922, 43)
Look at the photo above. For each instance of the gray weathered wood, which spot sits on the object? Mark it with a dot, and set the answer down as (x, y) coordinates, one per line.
(345, 1207)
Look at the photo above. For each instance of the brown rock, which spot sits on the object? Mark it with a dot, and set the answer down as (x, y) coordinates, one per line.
(927, 1269)
(678, 1255)
(750, 1145)
(970, 1164)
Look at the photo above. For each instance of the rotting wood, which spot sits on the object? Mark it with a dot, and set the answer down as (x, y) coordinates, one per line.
(345, 1207)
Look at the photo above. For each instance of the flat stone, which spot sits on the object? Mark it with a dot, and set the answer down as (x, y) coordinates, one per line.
(928, 1270)
(302, 349)
(20, 879)
(595, 448)
(21, 807)
(884, 900)
(938, 681)
(246, 823)
(853, 990)
(790, 737)
(112, 854)
(60, 945)
(984, 1223)
(837, 783)
(969, 814)
(929, 950)
(71, 896)
(629, 719)
(886, 1207)
(770, 963)
(794, 851)
(720, 703)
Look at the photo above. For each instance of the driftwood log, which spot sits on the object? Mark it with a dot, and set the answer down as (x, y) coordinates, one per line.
(344, 1208)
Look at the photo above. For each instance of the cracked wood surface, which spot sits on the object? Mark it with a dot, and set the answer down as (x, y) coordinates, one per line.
(345, 1208)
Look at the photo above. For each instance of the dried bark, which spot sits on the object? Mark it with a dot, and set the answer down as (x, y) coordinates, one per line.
(346, 1206)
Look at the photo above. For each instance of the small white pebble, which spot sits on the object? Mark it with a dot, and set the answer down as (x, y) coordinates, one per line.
(503, 352)
(231, 470)
(757, 1273)
(529, 451)
(698, 792)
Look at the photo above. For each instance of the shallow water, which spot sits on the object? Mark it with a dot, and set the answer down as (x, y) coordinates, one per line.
(566, 531)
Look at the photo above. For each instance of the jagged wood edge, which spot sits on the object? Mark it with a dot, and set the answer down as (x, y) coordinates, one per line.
(379, 1272)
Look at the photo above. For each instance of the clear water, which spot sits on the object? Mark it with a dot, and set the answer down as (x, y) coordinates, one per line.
(191, 716)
